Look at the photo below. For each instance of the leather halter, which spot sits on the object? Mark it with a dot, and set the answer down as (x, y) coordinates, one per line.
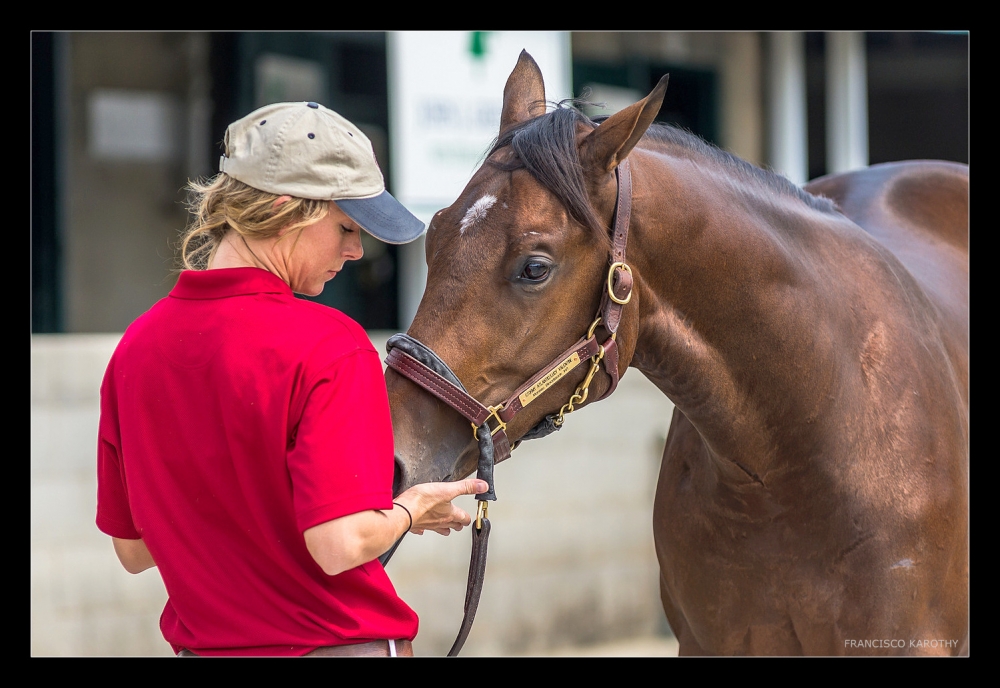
(421, 365)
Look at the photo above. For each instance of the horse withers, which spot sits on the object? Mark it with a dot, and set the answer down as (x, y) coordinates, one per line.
(813, 492)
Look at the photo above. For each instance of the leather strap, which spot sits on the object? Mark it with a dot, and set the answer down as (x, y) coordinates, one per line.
(435, 383)
(420, 364)
(584, 348)
(407, 364)
(621, 279)
(477, 574)
(468, 406)
(610, 366)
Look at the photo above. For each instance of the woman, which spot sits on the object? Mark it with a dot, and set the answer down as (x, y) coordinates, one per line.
(245, 444)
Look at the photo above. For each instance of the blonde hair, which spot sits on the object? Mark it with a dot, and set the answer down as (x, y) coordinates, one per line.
(221, 203)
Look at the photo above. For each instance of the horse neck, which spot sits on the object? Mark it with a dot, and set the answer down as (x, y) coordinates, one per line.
(727, 310)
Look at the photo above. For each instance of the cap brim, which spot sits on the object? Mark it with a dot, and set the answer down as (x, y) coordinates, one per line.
(383, 217)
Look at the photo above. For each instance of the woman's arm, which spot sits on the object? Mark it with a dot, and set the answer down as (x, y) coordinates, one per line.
(133, 555)
(355, 539)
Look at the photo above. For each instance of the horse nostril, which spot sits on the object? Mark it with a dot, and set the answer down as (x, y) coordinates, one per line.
(397, 477)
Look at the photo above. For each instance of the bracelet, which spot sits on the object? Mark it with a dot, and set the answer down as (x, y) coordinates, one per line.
(407, 513)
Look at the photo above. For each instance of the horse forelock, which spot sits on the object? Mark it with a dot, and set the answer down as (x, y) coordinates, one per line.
(546, 146)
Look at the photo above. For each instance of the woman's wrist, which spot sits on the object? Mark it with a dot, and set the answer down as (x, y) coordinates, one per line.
(409, 516)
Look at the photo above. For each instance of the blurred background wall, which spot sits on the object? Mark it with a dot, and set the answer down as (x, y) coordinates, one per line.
(571, 556)
(121, 120)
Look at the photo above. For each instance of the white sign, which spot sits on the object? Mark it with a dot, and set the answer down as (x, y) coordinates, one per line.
(128, 125)
(445, 97)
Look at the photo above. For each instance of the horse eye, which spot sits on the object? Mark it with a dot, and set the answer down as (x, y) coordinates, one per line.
(535, 271)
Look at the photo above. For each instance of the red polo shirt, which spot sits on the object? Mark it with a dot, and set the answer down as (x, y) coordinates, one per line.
(234, 416)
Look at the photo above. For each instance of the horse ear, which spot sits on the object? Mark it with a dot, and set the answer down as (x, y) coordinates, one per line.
(615, 137)
(524, 94)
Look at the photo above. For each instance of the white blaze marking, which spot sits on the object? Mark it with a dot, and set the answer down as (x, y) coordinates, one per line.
(477, 212)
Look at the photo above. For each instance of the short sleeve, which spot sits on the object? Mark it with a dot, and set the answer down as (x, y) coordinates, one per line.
(341, 461)
(114, 517)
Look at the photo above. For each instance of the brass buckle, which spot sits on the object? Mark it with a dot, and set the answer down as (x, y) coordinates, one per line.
(611, 293)
(494, 412)
(482, 511)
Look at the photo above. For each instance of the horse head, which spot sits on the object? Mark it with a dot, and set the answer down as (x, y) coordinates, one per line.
(516, 267)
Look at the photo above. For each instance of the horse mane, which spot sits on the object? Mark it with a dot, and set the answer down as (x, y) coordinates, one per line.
(666, 133)
(546, 147)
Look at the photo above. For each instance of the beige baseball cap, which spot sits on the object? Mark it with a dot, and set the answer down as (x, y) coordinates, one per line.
(309, 151)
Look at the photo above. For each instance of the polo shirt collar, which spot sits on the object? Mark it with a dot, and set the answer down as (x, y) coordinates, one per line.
(225, 282)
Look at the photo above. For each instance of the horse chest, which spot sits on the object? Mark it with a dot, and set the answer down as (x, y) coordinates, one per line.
(733, 584)
(789, 569)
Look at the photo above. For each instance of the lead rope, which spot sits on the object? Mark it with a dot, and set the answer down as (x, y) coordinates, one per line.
(484, 471)
(480, 537)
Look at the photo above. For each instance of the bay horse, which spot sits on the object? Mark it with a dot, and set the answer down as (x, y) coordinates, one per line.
(813, 493)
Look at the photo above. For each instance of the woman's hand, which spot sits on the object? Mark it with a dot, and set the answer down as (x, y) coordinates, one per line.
(355, 539)
(431, 507)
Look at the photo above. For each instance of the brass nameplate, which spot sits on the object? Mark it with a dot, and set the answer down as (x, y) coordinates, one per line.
(552, 377)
